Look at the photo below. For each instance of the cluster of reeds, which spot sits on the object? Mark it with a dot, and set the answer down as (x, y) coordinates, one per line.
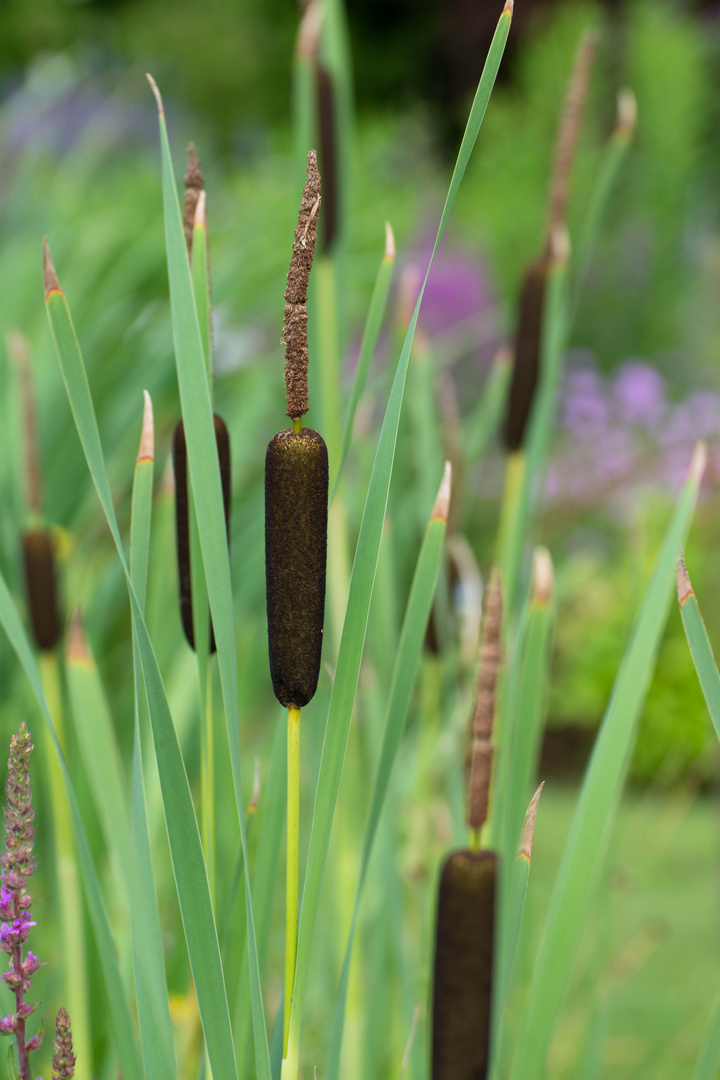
(223, 860)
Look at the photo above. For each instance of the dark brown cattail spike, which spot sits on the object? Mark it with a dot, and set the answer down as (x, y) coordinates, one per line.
(528, 343)
(194, 184)
(480, 750)
(294, 334)
(40, 581)
(296, 500)
(182, 515)
(462, 989)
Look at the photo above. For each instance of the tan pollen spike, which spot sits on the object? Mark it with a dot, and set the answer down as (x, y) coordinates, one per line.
(480, 751)
(294, 334)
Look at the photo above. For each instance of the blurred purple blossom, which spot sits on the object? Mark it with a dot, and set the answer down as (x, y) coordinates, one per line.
(621, 432)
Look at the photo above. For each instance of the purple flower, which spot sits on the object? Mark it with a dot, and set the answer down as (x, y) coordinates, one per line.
(640, 394)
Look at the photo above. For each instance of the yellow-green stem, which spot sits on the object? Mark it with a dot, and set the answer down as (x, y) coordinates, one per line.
(512, 525)
(291, 890)
(69, 897)
(297, 424)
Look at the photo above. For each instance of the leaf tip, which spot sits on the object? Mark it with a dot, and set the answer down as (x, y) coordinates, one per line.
(441, 508)
(699, 461)
(682, 580)
(543, 576)
(626, 119)
(50, 278)
(201, 212)
(509, 7)
(77, 646)
(389, 241)
(528, 828)
(156, 92)
(146, 451)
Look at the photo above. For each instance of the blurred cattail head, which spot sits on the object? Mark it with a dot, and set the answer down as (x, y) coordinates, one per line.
(462, 984)
(38, 551)
(182, 515)
(478, 765)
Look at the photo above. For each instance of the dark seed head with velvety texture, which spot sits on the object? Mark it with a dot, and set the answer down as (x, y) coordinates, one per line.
(296, 501)
(182, 515)
(39, 562)
(528, 344)
(462, 992)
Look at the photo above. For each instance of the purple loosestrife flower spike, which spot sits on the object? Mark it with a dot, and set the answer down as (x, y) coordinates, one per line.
(64, 1059)
(15, 902)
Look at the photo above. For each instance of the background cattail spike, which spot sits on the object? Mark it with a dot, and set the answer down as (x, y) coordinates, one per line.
(478, 767)
(570, 127)
(462, 984)
(295, 317)
(194, 186)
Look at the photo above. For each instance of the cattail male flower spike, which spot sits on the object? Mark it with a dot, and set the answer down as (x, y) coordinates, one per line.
(296, 493)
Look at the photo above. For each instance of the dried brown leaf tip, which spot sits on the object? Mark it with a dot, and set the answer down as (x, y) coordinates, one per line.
(528, 830)
(295, 318)
(478, 766)
(682, 580)
(146, 450)
(50, 278)
(194, 185)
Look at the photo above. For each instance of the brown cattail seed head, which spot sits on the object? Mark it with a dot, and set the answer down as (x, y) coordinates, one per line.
(528, 345)
(41, 583)
(296, 501)
(194, 184)
(478, 767)
(182, 515)
(294, 334)
(462, 989)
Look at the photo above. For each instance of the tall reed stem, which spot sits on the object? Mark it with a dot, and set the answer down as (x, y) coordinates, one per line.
(293, 857)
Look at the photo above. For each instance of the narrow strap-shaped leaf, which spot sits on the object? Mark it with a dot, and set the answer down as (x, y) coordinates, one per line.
(407, 659)
(590, 831)
(120, 1021)
(700, 648)
(373, 322)
(185, 848)
(483, 421)
(363, 576)
(708, 1063)
(156, 1035)
(207, 494)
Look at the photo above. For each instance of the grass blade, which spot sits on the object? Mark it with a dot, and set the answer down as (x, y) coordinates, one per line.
(156, 1035)
(700, 648)
(407, 659)
(590, 831)
(363, 576)
(121, 1023)
(183, 835)
(207, 494)
(376, 311)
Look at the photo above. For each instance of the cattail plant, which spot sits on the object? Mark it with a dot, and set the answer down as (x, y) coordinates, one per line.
(195, 228)
(18, 865)
(465, 925)
(296, 499)
(38, 545)
(38, 548)
(530, 333)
